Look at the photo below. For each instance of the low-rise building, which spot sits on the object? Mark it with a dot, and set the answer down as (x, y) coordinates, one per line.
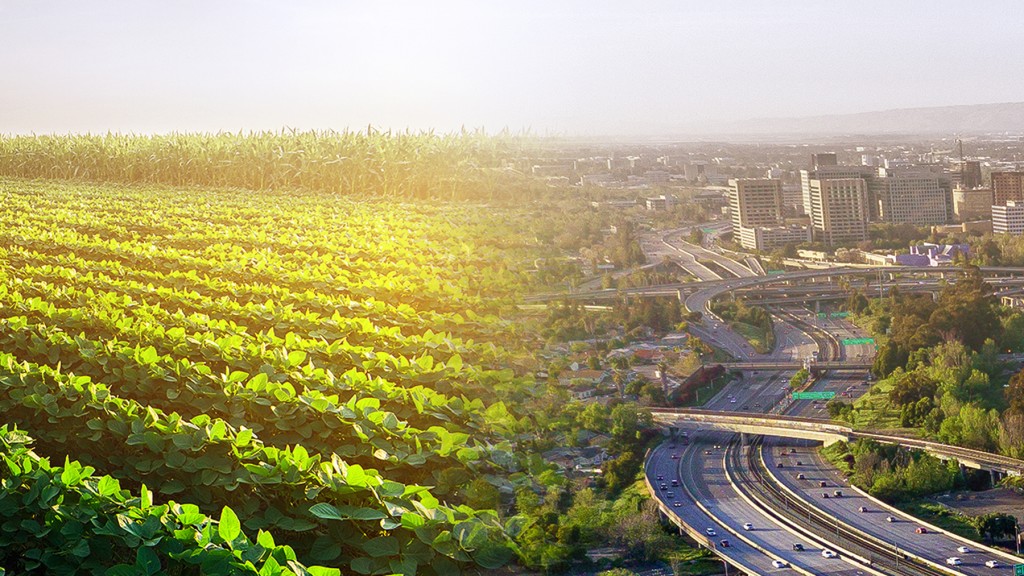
(1008, 219)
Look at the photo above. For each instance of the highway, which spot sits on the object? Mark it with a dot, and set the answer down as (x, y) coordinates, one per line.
(901, 533)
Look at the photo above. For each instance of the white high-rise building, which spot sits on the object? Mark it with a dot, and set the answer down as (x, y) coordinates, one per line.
(839, 211)
(920, 198)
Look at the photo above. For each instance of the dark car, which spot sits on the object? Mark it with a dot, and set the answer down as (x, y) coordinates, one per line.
(724, 543)
(798, 547)
(675, 456)
(837, 493)
(823, 484)
(779, 465)
(824, 495)
(799, 463)
(801, 477)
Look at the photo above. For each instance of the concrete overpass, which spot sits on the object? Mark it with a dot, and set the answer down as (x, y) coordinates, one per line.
(733, 284)
(828, 432)
(837, 365)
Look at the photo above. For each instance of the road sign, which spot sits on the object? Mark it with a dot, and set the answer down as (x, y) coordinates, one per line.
(813, 395)
(839, 315)
(855, 341)
(774, 272)
(1018, 570)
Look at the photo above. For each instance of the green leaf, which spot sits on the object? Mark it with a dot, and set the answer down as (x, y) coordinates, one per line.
(296, 357)
(147, 561)
(323, 571)
(493, 556)
(122, 570)
(326, 511)
(381, 546)
(229, 527)
(324, 549)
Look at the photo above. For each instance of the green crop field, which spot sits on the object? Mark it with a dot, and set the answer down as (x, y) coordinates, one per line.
(222, 381)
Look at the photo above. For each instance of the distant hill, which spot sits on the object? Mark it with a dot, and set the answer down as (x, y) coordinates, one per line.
(976, 118)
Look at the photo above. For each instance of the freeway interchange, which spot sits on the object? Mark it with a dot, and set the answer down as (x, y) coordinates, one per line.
(760, 503)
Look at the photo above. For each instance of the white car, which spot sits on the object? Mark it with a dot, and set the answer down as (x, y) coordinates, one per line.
(826, 553)
(963, 550)
(779, 563)
(992, 564)
(748, 526)
(711, 532)
(953, 561)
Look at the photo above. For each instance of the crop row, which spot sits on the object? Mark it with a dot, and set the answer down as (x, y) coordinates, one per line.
(210, 463)
(66, 520)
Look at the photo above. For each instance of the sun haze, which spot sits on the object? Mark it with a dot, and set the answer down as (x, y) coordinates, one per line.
(576, 67)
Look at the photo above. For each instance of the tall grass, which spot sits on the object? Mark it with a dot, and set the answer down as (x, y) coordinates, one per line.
(384, 164)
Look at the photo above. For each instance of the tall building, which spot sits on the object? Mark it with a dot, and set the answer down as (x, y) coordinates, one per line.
(1008, 218)
(908, 197)
(829, 172)
(972, 204)
(755, 203)
(839, 211)
(970, 174)
(1007, 186)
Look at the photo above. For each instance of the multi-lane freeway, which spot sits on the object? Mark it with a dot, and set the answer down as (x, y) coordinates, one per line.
(714, 489)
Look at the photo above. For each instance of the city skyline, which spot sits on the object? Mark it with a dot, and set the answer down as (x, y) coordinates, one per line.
(571, 69)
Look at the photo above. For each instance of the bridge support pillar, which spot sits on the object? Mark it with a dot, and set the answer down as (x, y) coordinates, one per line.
(681, 296)
(817, 306)
(743, 438)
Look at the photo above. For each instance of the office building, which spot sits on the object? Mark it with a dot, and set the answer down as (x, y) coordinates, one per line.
(1007, 186)
(755, 202)
(972, 204)
(1008, 218)
(910, 197)
(827, 172)
(839, 211)
(756, 210)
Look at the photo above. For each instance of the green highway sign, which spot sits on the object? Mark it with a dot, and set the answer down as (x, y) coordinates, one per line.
(813, 395)
(1018, 570)
(774, 272)
(855, 341)
(839, 315)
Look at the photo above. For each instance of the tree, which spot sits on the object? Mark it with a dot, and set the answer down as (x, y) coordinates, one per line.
(995, 525)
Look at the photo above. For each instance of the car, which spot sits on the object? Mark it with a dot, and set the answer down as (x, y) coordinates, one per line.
(710, 532)
(757, 405)
(670, 495)
(963, 550)
(954, 561)
(718, 446)
(863, 509)
(733, 401)
(675, 456)
(837, 493)
(663, 487)
(746, 407)
(826, 553)
(921, 530)
(677, 504)
(724, 543)
(823, 484)
(755, 371)
(798, 547)
(792, 450)
(801, 476)
(707, 452)
(779, 563)
(675, 483)
(661, 476)
(799, 463)
(824, 495)
(992, 564)
(780, 465)
(672, 447)
(890, 519)
(748, 526)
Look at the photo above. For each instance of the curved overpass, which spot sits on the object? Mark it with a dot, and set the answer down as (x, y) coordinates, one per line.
(828, 432)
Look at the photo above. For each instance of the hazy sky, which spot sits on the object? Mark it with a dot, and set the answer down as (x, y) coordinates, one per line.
(586, 67)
